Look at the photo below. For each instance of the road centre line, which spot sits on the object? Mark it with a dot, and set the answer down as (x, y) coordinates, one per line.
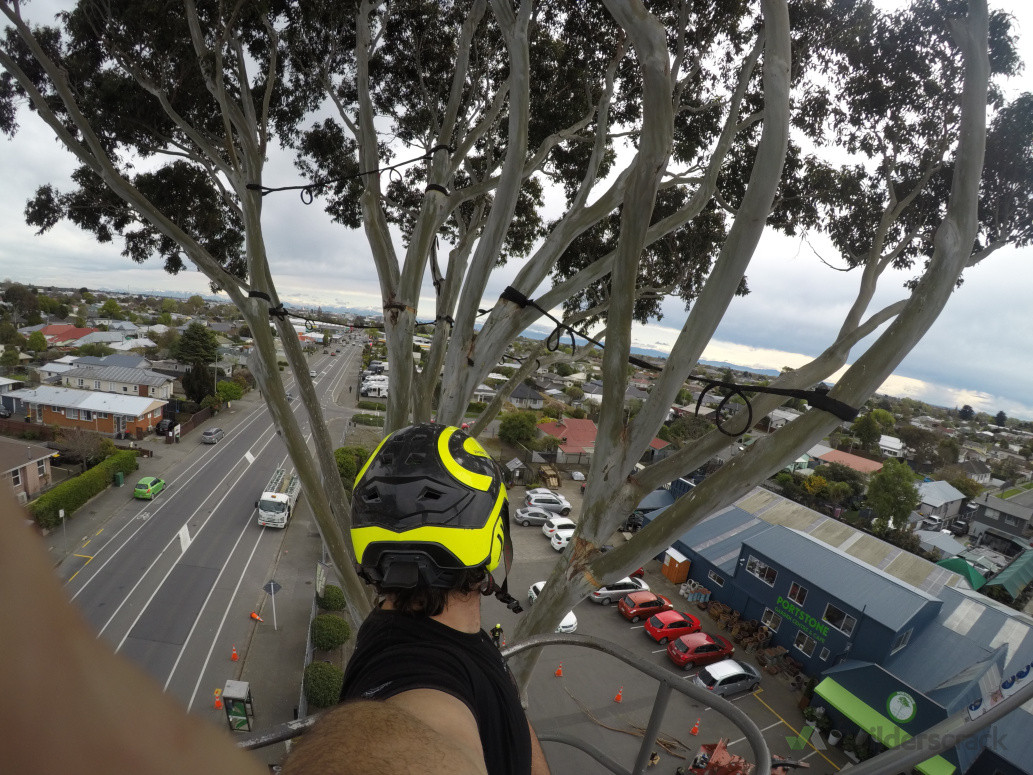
(89, 559)
(173, 540)
(199, 461)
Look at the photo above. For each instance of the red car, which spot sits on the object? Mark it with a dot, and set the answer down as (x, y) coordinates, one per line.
(668, 625)
(642, 605)
(697, 649)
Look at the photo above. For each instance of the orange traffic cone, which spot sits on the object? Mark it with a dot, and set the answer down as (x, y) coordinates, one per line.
(234, 657)
(218, 699)
(256, 617)
(620, 695)
(559, 671)
(695, 728)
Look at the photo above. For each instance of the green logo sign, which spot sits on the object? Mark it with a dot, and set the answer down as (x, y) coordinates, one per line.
(802, 619)
(901, 706)
(806, 735)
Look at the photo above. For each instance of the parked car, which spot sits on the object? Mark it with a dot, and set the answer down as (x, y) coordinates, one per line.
(551, 525)
(668, 625)
(148, 487)
(618, 589)
(311, 373)
(697, 649)
(532, 516)
(569, 623)
(633, 523)
(729, 676)
(959, 527)
(641, 605)
(553, 502)
(4, 412)
(561, 537)
(164, 426)
(212, 436)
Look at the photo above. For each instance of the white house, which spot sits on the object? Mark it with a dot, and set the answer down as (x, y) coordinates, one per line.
(891, 446)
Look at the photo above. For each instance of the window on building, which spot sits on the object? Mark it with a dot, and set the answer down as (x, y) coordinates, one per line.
(151, 389)
(797, 593)
(125, 388)
(762, 571)
(841, 620)
(771, 620)
(81, 381)
(1013, 521)
(16, 477)
(900, 642)
(805, 642)
(72, 414)
(824, 654)
(101, 415)
(96, 384)
(41, 468)
(86, 414)
(715, 578)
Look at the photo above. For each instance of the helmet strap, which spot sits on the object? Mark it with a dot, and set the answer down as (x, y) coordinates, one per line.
(489, 587)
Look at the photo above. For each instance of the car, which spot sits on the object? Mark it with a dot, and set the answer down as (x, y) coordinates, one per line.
(212, 436)
(667, 625)
(539, 491)
(618, 589)
(4, 412)
(698, 649)
(569, 623)
(641, 605)
(729, 676)
(312, 373)
(959, 527)
(333, 354)
(552, 524)
(164, 426)
(561, 537)
(532, 516)
(553, 502)
(148, 487)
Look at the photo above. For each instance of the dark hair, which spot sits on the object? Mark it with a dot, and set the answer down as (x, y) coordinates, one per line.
(431, 601)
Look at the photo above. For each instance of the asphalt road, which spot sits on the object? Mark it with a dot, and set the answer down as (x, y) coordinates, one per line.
(171, 582)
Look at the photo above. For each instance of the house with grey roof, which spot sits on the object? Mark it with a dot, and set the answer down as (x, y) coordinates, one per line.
(987, 511)
(525, 397)
(119, 379)
(939, 499)
(977, 471)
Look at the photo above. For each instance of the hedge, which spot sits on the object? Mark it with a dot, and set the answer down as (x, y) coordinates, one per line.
(322, 684)
(368, 419)
(332, 599)
(372, 406)
(73, 493)
(329, 631)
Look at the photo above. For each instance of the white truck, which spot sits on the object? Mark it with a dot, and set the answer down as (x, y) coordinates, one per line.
(278, 499)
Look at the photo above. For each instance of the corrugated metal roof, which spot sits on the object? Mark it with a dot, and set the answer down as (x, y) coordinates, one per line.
(1016, 576)
(117, 374)
(935, 494)
(94, 400)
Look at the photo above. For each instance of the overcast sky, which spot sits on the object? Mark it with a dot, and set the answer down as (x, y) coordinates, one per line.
(978, 352)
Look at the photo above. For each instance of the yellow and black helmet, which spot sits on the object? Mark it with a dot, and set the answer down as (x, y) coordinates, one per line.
(429, 503)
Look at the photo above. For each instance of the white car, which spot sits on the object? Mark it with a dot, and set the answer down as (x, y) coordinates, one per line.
(312, 373)
(618, 589)
(561, 538)
(553, 502)
(569, 623)
(552, 525)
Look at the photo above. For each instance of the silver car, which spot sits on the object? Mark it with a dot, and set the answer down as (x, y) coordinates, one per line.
(729, 676)
(212, 436)
(532, 515)
(549, 501)
(618, 589)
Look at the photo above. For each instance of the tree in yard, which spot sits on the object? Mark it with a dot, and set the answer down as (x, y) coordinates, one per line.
(228, 390)
(9, 357)
(892, 493)
(867, 430)
(923, 443)
(111, 309)
(683, 141)
(37, 342)
(966, 413)
(349, 461)
(564, 369)
(96, 349)
(1001, 419)
(199, 382)
(574, 393)
(518, 427)
(885, 419)
(83, 445)
(198, 344)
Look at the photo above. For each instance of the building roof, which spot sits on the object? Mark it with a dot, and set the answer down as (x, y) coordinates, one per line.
(1005, 507)
(117, 374)
(59, 333)
(965, 569)
(128, 360)
(891, 442)
(934, 539)
(93, 400)
(576, 436)
(1016, 576)
(936, 494)
(856, 462)
(15, 453)
(975, 468)
(526, 392)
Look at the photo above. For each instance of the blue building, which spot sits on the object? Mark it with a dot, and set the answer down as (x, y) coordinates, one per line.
(895, 642)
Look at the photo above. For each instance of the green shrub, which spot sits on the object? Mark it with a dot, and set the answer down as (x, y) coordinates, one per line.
(73, 493)
(368, 419)
(332, 599)
(329, 631)
(372, 406)
(475, 407)
(323, 683)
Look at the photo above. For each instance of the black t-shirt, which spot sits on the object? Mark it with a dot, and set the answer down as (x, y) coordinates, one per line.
(395, 652)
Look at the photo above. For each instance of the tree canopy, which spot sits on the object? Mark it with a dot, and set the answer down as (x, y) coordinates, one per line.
(625, 152)
(196, 345)
(892, 493)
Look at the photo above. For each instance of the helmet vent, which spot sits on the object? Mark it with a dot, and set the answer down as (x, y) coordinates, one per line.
(430, 494)
(416, 458)
(372, 494)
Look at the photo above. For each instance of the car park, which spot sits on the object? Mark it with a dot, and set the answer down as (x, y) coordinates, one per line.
(729, 676)
(554, 523)
(668, 625)
(569, 623)
(698, 649)
(148, 487)
(561, 537)
(532, 516)
(618, 589)
(553, 502)
(641, 605)
(212, 436)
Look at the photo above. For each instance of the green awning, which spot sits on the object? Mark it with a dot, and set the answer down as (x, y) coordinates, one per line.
(965, 570)
(876, 724)
(1016, 576)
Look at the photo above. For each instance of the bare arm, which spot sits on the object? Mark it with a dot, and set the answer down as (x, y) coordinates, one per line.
(420, 731)
(538, 764)
(69, 704)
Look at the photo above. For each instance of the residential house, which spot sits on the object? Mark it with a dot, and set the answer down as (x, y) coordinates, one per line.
(524, 397)
(776, 419)
(51, 372)
(64, 335)
(26, 466)
(132, 344)
(577, 441)
(985, 511)
(108, 413)
(977, 471)
(125, 360)
(891, 446)
(939, 499)
(940, 545)
(484, 394)
(119, 379)
(856, 462)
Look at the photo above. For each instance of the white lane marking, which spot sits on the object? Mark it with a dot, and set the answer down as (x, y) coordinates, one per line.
(249, 457)
(184, 538)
